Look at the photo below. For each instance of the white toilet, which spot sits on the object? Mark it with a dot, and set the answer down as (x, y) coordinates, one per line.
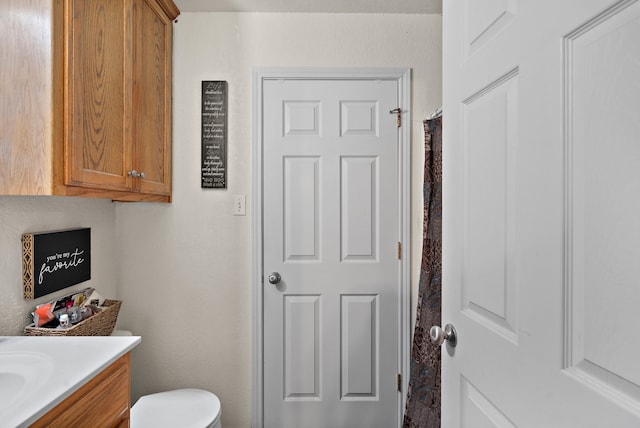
(180, 408)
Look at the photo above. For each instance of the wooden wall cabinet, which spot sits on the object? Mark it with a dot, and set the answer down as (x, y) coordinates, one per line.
(102, 402)
(87, 110)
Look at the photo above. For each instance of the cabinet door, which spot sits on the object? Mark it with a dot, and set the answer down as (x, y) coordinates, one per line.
(152, 97)
(101, 402)
(98, 151)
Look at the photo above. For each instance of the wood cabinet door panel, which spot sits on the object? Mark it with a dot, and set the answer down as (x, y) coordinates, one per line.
(102, 402)
(98, 108)
(152, 97)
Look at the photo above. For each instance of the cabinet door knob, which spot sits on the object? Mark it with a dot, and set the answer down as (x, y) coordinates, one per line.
(141, 175)
(133, 174)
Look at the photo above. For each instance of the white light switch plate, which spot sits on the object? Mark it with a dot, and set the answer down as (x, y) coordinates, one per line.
(239, 204)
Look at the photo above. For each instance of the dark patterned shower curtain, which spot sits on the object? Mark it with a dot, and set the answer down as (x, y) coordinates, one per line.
(423, 397)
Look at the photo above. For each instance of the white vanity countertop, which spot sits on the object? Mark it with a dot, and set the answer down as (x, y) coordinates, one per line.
(38, 372)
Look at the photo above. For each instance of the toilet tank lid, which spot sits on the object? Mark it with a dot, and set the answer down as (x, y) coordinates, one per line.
(182, 407)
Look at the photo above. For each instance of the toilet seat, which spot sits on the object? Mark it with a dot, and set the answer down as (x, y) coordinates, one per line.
(184, 408)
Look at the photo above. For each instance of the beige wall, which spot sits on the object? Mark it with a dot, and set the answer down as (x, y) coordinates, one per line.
(20, 215)
(185, 268)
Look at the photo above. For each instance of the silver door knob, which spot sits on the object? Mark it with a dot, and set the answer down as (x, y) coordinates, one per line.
(438, 335)
(274, 278)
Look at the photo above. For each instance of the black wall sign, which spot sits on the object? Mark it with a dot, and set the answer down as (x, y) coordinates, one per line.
(214, 134)
(52, 261)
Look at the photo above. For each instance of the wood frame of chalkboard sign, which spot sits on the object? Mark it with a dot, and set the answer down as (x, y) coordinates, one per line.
(55, 260)
(214, 134)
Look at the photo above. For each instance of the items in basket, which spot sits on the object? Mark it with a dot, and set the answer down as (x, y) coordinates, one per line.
(99, 324)
(77, 307)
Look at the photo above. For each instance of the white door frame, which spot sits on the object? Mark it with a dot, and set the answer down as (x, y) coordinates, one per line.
(403, 77)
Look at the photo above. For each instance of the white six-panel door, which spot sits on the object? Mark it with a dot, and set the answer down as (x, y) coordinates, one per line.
(331, 325)
(541, 241)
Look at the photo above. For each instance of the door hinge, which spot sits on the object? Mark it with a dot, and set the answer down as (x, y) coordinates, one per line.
(399, 250)
(397, 111)
(399, 382)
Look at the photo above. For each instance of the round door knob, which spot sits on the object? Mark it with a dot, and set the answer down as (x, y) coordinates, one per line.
(274, 278)
(438, 335)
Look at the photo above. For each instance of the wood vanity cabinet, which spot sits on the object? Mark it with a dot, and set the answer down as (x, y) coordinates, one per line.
(86, 104)
(102, 402)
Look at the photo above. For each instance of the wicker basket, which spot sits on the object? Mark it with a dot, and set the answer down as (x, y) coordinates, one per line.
(100, 324)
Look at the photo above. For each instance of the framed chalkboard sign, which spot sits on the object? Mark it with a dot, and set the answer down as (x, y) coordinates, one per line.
(214, 134)
(55, 260)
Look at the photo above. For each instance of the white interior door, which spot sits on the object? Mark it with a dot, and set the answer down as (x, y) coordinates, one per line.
(541, 254)
(331, 223)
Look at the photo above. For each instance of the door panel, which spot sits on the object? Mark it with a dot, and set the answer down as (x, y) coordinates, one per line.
(541, 186)
(478, 411)
(358, 344)
(302, 347)
(602, 249)
(301, 208)
(490, 122)
(331, 227)
(358, 208)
